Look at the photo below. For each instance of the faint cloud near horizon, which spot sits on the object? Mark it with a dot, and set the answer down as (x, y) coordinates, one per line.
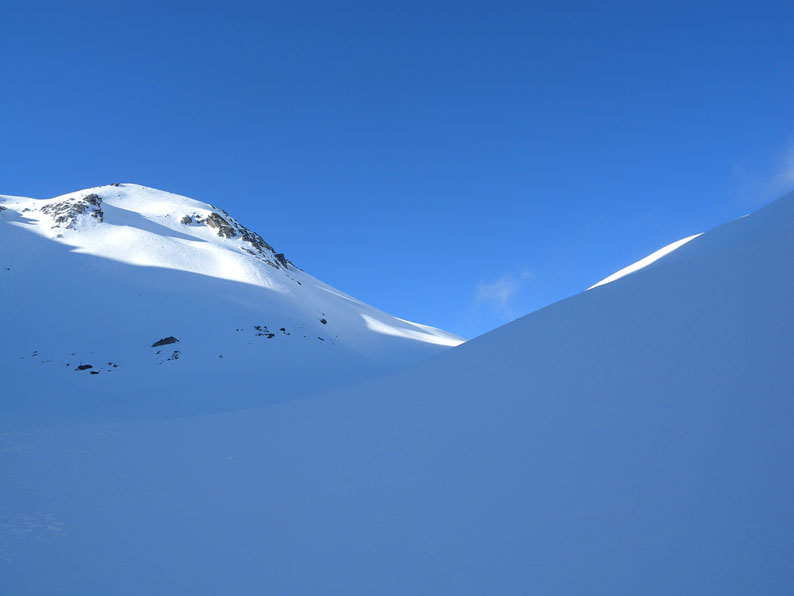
(759, 187)
(498, 297)
(784, 180)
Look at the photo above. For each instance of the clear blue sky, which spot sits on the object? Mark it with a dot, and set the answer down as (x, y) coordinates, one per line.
(457, 164)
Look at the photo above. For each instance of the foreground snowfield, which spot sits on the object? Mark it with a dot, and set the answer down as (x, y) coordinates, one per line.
(633, 439)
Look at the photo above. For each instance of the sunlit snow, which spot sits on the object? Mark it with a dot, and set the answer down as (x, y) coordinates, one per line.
(642, 263)
(420, 333)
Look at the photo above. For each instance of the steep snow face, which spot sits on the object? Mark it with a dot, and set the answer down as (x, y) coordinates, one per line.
(91, 279)
(633, 439)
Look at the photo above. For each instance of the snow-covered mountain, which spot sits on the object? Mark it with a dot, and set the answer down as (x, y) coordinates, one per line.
(92, 281)
(632, 439)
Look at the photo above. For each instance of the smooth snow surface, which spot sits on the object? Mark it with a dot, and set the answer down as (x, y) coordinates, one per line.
(632, 439)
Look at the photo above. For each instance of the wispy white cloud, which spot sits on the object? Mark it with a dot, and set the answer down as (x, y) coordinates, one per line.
(499, 295)
(784, 179)
(757, 186)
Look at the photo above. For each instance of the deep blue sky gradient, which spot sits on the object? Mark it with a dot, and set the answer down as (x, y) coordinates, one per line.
(458, 164)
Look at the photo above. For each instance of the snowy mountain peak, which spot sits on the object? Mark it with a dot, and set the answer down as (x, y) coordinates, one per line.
(132, 265)
(136, 214)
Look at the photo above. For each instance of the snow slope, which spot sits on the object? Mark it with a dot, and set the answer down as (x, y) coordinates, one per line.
(633, 439)
(96, 277)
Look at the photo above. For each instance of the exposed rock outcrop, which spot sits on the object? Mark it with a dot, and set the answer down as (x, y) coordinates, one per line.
(224, 229)
(65, 214)
(228, 227)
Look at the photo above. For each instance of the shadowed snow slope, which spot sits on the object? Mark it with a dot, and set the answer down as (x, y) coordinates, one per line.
(633, 439)
(94, 278)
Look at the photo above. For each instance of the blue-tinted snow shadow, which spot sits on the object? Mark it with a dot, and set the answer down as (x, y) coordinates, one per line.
(248, 383)
(124, 217)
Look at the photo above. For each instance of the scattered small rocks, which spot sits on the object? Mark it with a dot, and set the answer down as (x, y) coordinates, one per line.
(165, 341)
(262, 330)
(259, 257)
(81, 367)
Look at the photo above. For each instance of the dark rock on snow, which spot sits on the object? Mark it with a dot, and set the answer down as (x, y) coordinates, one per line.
(281, 259)
(215, 221)
(65, 213)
